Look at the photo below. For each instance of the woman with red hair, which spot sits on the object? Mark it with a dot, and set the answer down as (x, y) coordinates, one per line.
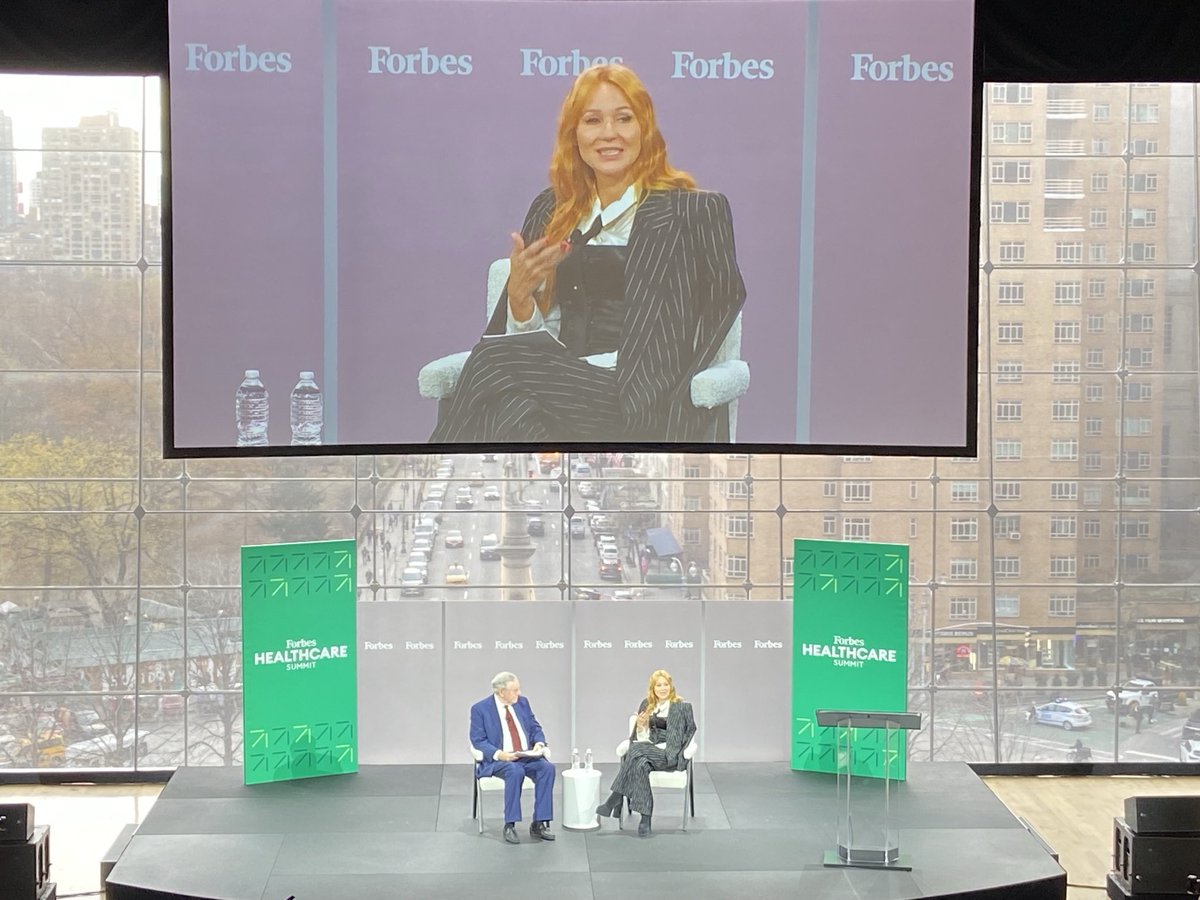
(628, 265)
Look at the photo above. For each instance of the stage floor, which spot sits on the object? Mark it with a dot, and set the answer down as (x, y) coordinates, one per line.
(406, 831)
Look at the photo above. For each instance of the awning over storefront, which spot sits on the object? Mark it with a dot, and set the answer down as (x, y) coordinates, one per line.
(662, 542)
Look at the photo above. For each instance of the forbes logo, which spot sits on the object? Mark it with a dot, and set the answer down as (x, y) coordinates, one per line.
(725, 66)
(243, 59)
(535, 62)
(383, 59)
(865, 67)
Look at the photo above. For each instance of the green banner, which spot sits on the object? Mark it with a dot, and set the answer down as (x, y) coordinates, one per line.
(849, 650)
(300, 676)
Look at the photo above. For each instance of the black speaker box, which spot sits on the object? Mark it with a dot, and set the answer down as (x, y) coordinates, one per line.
(16, 822)
(1163, 815)
(25, 867)
(1116, 892)
(1149, 864)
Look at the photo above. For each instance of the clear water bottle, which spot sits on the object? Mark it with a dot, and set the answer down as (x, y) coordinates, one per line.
(587, 759)
(252, 411)
(575, 758)
(308, 411)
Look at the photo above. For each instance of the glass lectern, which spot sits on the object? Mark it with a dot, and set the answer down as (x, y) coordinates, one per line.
(867, 831)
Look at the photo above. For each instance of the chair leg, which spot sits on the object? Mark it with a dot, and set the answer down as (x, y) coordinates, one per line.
(692, 787)
(475, 799)
(479, 805)
(685, 801)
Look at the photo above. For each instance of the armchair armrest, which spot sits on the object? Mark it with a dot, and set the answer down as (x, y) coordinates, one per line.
(476, 754)
(622, 748)
(720, 383)
(437, 379)
(690, 750)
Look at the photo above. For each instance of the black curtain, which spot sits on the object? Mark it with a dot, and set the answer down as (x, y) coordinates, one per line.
(1016, 40)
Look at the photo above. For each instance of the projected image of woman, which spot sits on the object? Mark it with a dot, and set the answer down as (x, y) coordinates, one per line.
(628, 265)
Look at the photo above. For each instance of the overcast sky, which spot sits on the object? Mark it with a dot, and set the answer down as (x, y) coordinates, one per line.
(34, 102)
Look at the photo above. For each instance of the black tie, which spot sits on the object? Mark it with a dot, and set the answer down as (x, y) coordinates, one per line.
(578, 239)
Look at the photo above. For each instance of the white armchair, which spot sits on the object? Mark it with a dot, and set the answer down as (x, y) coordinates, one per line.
(488, 783)
(721, 384)
(681, 780)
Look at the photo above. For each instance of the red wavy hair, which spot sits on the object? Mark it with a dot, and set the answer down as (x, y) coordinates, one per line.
(573, 181)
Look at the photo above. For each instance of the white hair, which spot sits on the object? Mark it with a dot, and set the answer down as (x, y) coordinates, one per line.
(502, 679)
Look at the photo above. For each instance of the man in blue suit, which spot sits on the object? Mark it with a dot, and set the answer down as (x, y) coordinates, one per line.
(504, 729)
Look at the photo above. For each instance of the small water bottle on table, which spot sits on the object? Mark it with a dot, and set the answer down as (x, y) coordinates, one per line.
(308, 411)
(587, 759)
(575, 758)
(252, 411)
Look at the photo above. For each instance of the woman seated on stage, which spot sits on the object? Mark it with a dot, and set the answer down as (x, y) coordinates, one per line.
(628, 265)
(664, 728)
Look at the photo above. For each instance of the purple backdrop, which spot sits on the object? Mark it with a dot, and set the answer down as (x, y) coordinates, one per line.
(435, 170)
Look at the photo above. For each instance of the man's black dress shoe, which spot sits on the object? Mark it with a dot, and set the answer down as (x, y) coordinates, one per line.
(541, 831)
(510, 833)
(644, 827)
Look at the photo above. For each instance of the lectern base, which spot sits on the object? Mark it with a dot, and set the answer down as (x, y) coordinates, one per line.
(833, 860)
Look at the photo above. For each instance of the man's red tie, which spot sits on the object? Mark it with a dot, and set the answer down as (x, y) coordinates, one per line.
(512, 729)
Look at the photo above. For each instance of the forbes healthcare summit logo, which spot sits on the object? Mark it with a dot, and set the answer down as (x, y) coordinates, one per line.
(850, 652)
(302, 653)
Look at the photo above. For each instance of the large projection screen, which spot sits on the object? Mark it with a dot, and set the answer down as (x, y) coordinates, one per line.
(343, 173)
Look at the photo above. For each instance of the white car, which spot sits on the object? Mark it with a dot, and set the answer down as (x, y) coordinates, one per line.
(1135, 693)
(609, 551)
(454, 538)
(1189, 751)
(412, 582)
(1065, 713)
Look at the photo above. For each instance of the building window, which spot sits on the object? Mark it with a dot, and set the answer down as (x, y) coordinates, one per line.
(1143, 113)
(1095, 358)
(1064, 411)
(1137, 426)
(1135, 562)
(1067, 333)
(1008, 410)
(1068, 252)
(1141, 182)
(1062, 567)
(1135, 528)
(1139, 323)
(1010, 333)
(1063, 607)
(1091, 494)
(1008, 606)
(1098, 218)
(1009, 372)
(1091, 461)
(1064, 490)
(964, 529)
(736, 567)
(828, 525)
(912, 490)
(1012, 251)
(1139, 357)
(1008, 567)
(1138, 391)
(856, 528)
(1140, 217)
(1062, 526)
(1093, 393)
(1010, 293)
(1065, 371)
(789, 569)
(963, 608)
(829, 489)
(1143, 146)
(1012, 92)
(1091, 528)
(691, 471)
(1136, 493)
(1007, 449)
(1099, 182)
(1007, 490)
(1012, 132)
(691, 504)
(738, 490)
(1142, 252)
(856, 492)
(1068, 293)
(1135, 460)
(1018, 171)
(1091, 561)
(912, 527)
(1099, 146)
(964, 491)
(1097, 253)
(1064, 449)
(1010, 212)
(1095, 288)
(1007, 526)
(1093, 426)
(1137, 287)
(691, 537)
(739, 526)
(1095, 323)
(1101, 112)
(964, 569)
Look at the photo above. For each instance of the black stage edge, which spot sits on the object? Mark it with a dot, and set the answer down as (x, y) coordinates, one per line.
(406, 831)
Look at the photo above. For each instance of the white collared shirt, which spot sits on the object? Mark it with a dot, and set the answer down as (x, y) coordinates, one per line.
(508, 747)
(616, 226)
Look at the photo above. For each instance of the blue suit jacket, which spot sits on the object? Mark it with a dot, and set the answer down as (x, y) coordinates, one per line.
(486, 735)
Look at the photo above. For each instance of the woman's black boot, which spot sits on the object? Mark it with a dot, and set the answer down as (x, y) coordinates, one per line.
(644, 827)
(611, 806)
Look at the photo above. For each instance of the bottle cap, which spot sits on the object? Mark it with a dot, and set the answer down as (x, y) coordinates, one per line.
(252, 373)
(306, 376)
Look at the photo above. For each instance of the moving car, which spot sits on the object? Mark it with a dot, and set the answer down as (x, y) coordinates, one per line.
(412, 582)
(1189, 751)
(588, 489)
(491, 492)
(577, 528)
(489, 547)
(1135, 693)
(464, 501)
(610, 570)
(536, 526)
(1065, 713)
(609, 551)
(476, 479)
(454, 538)
(456, 573)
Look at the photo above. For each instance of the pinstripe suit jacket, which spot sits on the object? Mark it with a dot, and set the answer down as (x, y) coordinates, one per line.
(681, 728)
(682, 293)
